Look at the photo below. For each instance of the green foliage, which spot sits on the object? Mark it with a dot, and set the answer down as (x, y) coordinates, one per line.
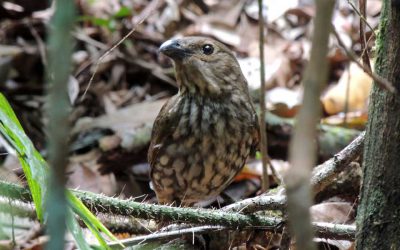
(37, 172)
(258, 155)
(111, 22)
(33, 164)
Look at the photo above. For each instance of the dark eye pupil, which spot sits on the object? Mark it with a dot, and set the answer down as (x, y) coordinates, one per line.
(208, 49)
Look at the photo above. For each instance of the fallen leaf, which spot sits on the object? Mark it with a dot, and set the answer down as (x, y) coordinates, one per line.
(283, 102)
(357, 83)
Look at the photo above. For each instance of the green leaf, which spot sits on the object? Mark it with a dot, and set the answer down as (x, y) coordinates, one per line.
(96, 20)
(101, 22)
(36, 171)
(90, 220)
(76, 231)
(123, 12)
(34, 166)
(258, 155)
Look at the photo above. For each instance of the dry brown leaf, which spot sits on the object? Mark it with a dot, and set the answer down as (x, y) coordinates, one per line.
(85, 175)
(283, 102)
(356, 120)
(359, 86)
(334, 212)
(122, 120)
(8, 168)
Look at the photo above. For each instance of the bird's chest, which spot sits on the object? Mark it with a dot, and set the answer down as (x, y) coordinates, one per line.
(204, 120)
(208, 146)
(210, 135)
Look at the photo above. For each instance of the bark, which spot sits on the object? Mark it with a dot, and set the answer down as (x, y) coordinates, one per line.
(379, 209)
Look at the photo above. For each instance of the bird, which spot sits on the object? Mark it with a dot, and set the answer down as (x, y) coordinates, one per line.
(204, 134)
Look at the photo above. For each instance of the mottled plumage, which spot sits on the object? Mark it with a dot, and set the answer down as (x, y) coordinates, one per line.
(204, 134)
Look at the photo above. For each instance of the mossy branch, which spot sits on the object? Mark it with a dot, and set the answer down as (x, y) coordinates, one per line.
(228, 220)
(104, 204)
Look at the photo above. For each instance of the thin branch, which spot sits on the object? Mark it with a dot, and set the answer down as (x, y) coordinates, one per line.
(321, 176)
(285, 239)
(158, 236)
(362, 17)
(384, 83)
(364, 45)
(303, 149)
(263, 132)
(334, 231)
(146, 13)
(41, 45)
(258, 203)
(323, 230)
(325, 173)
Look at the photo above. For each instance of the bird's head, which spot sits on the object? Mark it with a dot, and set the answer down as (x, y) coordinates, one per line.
(204, 66)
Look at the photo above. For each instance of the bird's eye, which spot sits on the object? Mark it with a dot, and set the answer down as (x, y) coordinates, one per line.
(208, 49)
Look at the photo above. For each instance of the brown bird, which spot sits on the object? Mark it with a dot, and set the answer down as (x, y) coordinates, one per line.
(203, 135)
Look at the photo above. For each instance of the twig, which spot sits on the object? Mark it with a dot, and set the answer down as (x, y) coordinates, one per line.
(259, 203)
(334, 231)
(263, 132)
(17, 208)
(321, 177)
(325, 173)
(384, 83)
(362, 17)
(285, 239)
(40, 43)
(364, 46)
(346, 101)
(275, 175)
(323, 230)
(146, 13)
(167, 235)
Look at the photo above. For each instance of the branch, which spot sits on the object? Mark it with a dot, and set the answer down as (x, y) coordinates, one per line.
(303, 149)
(334, 231)
(263, 131)
(323, 230)
(258, 203)
(113, 222)
(364, 42)
(158, 236)
(139, 20)
(321, 177)
(104, 204)
(384, 83)
(99, 203)
(325, 173)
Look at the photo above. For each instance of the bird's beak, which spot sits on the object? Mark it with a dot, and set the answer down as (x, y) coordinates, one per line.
(174, 49)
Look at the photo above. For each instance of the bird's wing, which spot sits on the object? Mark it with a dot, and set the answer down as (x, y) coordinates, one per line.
(163, 126)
